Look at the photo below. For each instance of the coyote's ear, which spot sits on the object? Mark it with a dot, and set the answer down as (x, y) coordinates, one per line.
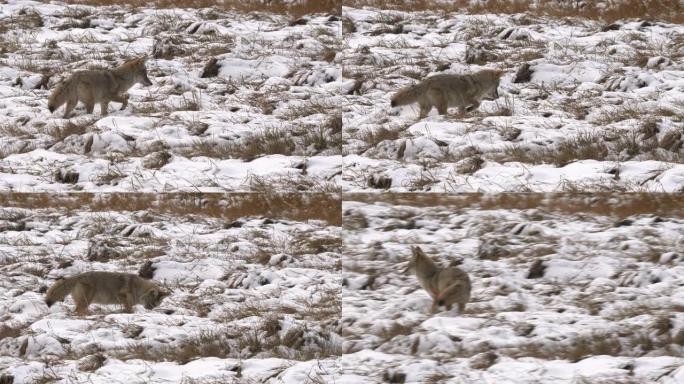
(498, 72)
(417, 252)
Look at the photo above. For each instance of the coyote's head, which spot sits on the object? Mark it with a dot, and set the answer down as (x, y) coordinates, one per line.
(136, 69)
(417, 257)
(153, 297)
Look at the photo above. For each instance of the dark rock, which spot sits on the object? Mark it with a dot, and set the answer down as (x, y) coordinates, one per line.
(536, 270)
(146, 271)
(524, 74)
(211, 69)
(394, 377)
(300, 21)
(234, 224)
(380, 182)
(624, 223)
(66, 177)
(611, 27)
(43, 83)
(507, 34)
(524, 329)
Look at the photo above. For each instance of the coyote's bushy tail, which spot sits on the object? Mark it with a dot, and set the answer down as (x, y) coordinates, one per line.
(407, 95)
(59, 290)
(57, 97)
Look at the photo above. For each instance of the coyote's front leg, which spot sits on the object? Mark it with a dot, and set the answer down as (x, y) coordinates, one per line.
(123, 99)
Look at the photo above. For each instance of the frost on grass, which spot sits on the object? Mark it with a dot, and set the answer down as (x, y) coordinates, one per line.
(584, 105)
(239, 101)
(558, 295)
(253, 299)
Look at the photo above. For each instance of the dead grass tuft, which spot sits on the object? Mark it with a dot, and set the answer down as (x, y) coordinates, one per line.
(584, 145)
(10, 331)
(206, 343)
(71, 128)
(377, 136)
(270, 141)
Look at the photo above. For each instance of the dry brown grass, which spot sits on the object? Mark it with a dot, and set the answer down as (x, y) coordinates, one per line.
(274, 140)
(71, 128)
(422, 180)
(295, 9)
(291, 183)
(326, 305)
(206, 343)
(265, 338)
(294, 206)
(17, 148)
(375, 137)
(596, 343)
(670, 11)
(271, 141)
(14, 130)
(303, 243)
(585, 145)
(10, 331)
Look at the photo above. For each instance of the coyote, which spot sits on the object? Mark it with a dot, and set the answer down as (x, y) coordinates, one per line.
(446, 286)
(443, 91)
(106, 288)
(99, 86)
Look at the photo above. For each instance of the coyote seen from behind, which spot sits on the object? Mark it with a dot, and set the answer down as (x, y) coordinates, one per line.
(99, 86)
(447, 90)
(102, 287)
(446, 286)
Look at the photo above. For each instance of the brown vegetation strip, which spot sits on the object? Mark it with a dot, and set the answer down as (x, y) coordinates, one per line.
(293, 206)
(620, 205)
(295, 9)
(660, 10)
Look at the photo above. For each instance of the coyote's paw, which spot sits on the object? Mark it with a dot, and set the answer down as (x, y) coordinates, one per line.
(125, 102)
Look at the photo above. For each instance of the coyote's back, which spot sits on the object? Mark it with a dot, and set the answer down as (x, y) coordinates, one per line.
(102, 287)
(99, 86)
(448, 90)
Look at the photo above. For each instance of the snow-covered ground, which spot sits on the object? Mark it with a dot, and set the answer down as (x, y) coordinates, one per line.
(267, 120)
(253, 300)
(601, 109)
(606, 303)
(566, 288)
